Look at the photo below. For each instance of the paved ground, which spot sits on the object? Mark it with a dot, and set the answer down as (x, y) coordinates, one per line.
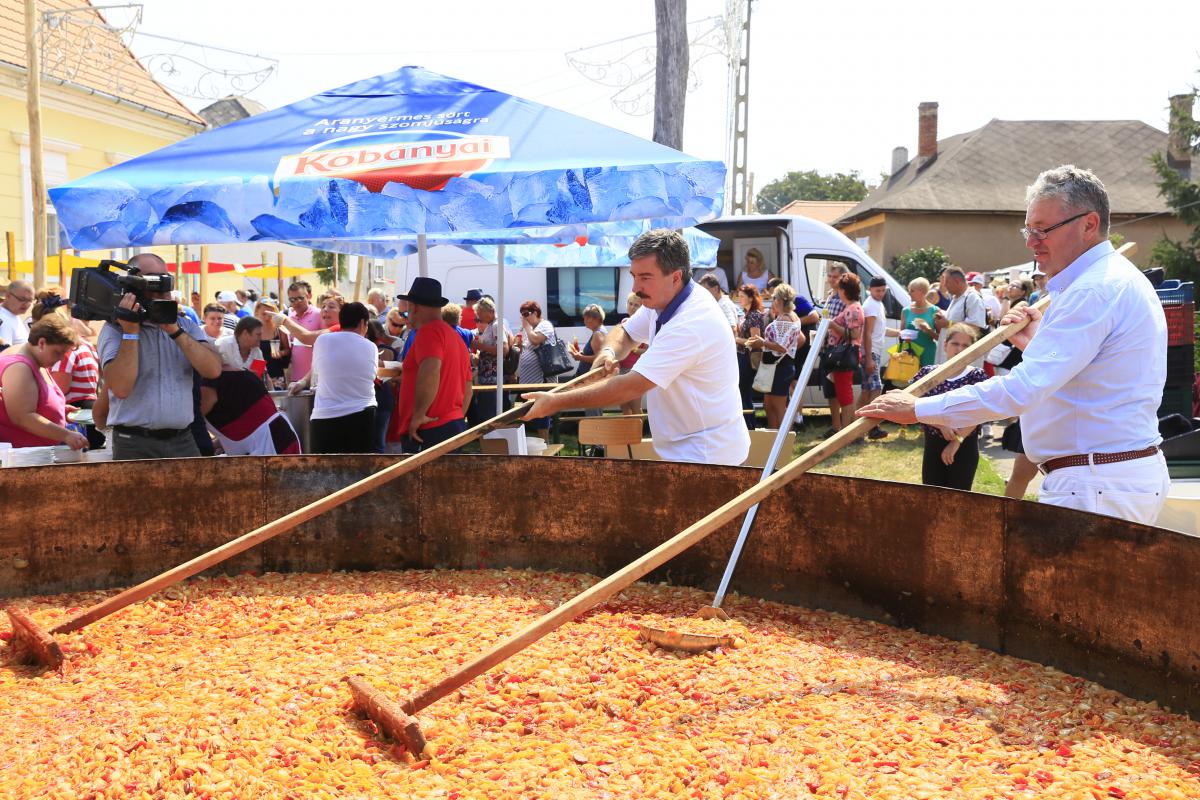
(1003, 460)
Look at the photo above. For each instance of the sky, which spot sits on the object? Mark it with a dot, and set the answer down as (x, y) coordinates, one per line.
(833, 86)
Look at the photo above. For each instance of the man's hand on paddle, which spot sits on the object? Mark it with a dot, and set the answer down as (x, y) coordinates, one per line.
(544, 405)
(1034, 315)
(894, 406)
(606, 360)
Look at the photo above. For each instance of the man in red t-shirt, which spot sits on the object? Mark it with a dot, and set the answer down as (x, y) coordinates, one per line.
(472, 297)
(435, 386)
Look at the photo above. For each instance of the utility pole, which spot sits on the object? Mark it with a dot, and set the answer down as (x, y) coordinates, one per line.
(37, 173)
(742, 202)
(670, 71)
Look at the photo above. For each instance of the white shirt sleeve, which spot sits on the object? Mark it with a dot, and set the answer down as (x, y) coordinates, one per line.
(1068, 339)
(637, 327)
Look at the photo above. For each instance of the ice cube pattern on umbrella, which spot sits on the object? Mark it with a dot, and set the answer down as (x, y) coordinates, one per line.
(383, 160)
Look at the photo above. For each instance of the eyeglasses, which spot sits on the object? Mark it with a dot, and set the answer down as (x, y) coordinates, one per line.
(28, 299)
(526, 313)
(1040, 234)
(294, 300)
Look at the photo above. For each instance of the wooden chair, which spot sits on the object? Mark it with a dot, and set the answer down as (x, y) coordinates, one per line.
(609, 431)
(761, 442)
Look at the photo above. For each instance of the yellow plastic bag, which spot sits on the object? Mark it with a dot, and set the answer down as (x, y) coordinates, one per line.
(901, 368)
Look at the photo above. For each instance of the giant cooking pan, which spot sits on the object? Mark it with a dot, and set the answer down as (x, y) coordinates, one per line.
(1097, 597)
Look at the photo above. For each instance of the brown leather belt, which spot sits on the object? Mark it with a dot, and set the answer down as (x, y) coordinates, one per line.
(1084, 459)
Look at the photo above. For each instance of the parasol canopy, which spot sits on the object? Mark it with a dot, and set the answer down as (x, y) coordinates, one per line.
(383, 160)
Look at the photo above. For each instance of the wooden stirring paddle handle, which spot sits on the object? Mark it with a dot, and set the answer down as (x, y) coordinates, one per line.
(699, 530)
(299, 516)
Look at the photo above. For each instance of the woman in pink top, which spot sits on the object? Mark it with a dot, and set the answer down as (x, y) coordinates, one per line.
(849, 324)
(33, 410)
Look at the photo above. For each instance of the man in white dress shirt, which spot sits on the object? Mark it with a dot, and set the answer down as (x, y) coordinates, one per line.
(14, 327)
(690, 371)
(1091, 378)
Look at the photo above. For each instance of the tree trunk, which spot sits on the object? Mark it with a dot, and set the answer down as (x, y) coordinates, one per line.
(670, 71)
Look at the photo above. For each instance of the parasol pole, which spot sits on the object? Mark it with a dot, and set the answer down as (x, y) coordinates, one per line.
(337, 261)
(37, 171)
(12, 256)
(358, 279)
(422, 256)
(500, 327)
(204, 298)
(262, 271)
(179, 275)
(279, 254)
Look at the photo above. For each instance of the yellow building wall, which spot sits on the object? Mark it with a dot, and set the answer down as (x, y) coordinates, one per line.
(94, 133)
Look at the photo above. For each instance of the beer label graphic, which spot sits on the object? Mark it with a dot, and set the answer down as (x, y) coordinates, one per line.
(419, 163)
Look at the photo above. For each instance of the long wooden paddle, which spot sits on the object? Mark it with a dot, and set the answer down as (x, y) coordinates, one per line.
(396, 719)
(32, 643)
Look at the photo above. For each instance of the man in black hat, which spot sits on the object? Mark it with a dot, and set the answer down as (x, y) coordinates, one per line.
(472, 297)
(435, 388)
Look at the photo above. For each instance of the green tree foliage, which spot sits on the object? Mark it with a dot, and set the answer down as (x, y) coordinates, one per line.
(921, 262)
(809, 185)
(323, 262)
(1180, 259)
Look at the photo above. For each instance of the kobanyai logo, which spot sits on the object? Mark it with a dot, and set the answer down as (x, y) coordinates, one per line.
(422, 163)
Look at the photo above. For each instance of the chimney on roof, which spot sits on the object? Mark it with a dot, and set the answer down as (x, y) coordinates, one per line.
(899, 158)
(927, 114)
(1179, 152)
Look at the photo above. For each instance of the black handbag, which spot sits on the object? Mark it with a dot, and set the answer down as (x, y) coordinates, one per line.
(552, 355)
(840, 357)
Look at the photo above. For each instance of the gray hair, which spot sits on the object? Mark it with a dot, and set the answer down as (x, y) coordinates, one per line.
(594, 311)
(1076, 188)
(485, 304)
(668, 247)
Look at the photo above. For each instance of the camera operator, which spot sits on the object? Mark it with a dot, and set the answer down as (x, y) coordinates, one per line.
(148, 371)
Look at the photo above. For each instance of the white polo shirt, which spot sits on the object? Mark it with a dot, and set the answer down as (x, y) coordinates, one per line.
(13, 329)
(695, 409)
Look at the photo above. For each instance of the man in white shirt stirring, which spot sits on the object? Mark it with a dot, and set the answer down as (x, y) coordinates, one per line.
(690, 370)
(1091, 378)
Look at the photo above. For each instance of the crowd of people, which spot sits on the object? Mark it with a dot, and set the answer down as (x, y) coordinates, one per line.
(203, 386)
(703, 357)
(334, 348)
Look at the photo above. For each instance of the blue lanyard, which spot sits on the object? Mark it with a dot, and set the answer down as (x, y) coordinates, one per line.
(673, 306)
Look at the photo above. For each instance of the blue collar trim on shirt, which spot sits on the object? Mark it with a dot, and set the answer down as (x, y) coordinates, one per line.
(665, 315)
(1061, 281)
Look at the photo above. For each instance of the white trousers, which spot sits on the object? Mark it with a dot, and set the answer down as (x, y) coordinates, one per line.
(1134, 490)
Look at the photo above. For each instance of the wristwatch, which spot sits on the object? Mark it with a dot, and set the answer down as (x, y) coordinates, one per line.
(176, 334)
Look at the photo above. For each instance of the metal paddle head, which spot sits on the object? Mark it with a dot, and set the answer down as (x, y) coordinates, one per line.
(687, 642)
(30, 643)
(389, 716)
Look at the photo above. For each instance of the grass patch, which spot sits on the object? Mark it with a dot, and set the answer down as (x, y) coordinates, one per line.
(896, 458)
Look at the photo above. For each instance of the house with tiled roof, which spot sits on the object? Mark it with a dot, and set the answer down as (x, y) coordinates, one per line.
(966, 193)
(821, 210)
(99, 106)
